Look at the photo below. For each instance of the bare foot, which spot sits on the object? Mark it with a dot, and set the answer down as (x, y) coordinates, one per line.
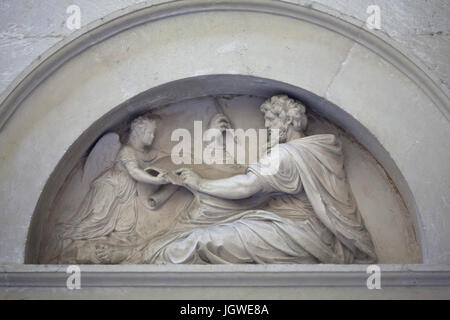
(110, 254)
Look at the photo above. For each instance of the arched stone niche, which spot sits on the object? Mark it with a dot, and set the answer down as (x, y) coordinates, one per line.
(178, 104)
(356, 79)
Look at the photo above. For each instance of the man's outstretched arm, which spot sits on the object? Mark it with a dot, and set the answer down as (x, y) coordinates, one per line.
(237, 187)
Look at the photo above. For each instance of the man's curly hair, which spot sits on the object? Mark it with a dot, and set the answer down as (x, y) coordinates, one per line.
(283, 106)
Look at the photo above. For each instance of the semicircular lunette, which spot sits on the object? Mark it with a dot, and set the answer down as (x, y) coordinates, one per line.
(258, 178)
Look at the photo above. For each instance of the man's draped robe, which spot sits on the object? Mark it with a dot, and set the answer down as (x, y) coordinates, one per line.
(305, 213)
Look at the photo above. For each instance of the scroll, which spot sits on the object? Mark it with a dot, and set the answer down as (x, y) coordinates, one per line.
(162, 195)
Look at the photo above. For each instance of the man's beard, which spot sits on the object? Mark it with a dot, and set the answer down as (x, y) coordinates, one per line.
(283, 135)
(282, 138)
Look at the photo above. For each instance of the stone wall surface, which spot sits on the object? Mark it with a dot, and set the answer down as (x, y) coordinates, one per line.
(28, 27)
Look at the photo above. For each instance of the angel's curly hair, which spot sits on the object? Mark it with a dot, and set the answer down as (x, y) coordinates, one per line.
(141, 122)
(284, 106)
(135, 125)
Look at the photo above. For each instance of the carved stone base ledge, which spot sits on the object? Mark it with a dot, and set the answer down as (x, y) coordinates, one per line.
(230, 282)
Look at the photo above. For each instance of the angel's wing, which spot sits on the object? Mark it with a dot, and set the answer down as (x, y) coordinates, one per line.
(102, 157)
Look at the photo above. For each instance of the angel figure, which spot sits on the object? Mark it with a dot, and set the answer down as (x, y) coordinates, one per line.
(110, 208)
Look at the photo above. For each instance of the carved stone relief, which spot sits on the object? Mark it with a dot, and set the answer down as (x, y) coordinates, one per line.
(128, 202)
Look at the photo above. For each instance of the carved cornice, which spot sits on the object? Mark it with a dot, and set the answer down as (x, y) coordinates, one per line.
(147, 276)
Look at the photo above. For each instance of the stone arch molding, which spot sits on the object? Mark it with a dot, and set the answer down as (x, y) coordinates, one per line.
(385, 100)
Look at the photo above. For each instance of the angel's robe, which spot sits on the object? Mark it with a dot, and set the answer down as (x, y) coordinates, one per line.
(305, 213)
(111, 203)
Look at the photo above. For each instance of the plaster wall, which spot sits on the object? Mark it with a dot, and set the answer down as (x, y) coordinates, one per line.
(28, 28)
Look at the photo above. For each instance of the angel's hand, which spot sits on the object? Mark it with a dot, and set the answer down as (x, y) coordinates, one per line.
(163, 177)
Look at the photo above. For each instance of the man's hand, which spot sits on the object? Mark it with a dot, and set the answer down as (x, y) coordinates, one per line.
(189, 178)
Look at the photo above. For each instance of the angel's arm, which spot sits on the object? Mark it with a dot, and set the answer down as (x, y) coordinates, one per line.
(140, 175)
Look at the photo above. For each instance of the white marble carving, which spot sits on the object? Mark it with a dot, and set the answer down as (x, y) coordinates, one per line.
(304, 213)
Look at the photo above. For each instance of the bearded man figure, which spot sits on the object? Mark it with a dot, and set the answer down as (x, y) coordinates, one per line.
(303, 212)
